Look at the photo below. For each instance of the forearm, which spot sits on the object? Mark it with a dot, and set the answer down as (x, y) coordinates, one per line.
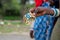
(49, 11)
(52, 11)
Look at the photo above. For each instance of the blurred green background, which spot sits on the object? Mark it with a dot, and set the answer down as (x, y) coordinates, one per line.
(11, 15)
(14, 9)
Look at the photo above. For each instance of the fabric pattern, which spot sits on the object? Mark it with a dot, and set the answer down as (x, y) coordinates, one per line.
(43, 26)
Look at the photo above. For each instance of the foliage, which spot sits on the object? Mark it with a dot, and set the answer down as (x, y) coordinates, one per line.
(11, 18)
(14, 7)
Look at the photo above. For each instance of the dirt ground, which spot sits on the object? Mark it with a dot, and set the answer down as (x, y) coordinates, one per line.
(21, 32)
(14, 37)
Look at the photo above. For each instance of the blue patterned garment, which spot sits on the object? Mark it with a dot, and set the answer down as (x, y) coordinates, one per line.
(43, 26)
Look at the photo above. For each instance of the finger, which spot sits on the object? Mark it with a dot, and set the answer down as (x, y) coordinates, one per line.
(32, 10)
(43, 13)
(38, 15)
(40, 8)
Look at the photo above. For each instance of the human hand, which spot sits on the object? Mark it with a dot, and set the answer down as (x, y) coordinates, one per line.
(39, 11)
(32, 10)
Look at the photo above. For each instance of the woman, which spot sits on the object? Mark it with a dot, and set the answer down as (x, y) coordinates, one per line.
(50, 11)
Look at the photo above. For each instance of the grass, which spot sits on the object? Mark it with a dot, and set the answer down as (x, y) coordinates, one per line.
(11, 18)
(13, 26)
(5, 29)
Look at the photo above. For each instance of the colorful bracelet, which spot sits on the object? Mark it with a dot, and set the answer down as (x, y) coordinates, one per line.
(56, 12)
